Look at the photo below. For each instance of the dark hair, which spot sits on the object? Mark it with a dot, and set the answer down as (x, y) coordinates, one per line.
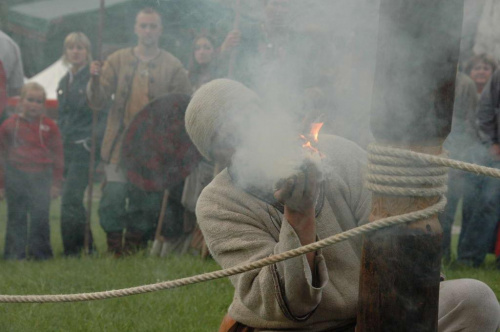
(486, 58)
(149, 11)
(194, 67)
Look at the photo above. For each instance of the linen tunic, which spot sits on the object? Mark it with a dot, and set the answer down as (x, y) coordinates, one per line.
(240, 228)
(165, 75)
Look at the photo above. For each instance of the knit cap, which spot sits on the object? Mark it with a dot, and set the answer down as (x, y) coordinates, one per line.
(214, 104)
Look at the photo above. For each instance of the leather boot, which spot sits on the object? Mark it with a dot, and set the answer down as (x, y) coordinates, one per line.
(134, 241)
(114, 240)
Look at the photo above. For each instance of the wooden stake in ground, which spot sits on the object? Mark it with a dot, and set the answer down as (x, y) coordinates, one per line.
(88, 232)
(418, 48)
(158, 242)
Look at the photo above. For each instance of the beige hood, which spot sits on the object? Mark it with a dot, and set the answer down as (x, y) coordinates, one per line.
(212, 106)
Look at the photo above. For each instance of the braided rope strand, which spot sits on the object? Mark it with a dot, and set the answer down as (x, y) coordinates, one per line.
(404, 180)
(394, 153)
(417, 171)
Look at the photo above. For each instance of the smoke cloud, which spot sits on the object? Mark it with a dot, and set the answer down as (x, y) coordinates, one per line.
(323, 73)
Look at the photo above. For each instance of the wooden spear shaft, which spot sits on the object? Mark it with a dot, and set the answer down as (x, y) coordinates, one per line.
(90, 189)
(412, 106)
(236, 26)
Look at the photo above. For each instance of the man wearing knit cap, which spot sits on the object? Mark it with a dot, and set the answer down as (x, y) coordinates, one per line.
(244, 219)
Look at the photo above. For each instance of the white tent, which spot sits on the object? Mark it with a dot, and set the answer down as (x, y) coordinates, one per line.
(49, 78)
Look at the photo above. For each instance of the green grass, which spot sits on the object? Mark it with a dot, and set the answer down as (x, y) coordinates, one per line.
(487, 273)
(183, 309)
(193, 308)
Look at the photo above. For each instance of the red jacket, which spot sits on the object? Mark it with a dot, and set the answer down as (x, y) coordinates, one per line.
(31, 146)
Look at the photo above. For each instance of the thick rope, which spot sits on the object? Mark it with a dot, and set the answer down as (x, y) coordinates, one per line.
(405, 179)
(380, 157)
(410, 158)
(367, 228)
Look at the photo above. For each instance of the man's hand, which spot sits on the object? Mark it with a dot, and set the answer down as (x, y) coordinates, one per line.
(55, 191)
(298, 194)
(95, 68)
(232, 40)
(495, 151)
(95, 72)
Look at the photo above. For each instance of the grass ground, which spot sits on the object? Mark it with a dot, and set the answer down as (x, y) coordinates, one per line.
(192, 308)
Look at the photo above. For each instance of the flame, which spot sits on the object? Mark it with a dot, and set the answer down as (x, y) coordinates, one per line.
(315, 128)
(310, 147)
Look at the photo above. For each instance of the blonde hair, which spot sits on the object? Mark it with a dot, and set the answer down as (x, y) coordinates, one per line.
(77, 38)
(32, 86)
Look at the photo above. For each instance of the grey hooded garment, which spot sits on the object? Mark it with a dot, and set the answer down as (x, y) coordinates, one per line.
(239, 228)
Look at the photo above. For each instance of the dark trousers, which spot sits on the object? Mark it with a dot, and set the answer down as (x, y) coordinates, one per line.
(481, 215)
(173, 222)
(455, 192)
(73, 213)
(124, 206)
(28, 194)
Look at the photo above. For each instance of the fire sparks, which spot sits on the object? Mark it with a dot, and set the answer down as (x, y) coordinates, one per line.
(313, 134)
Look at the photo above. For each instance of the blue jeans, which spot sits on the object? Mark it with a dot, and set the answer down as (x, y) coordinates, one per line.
(481, 215)
(456, 183)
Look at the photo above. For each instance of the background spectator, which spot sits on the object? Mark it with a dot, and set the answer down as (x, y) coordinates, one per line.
(135, 76)
(10, 56)
(480, 68)
(202, 63)
(75, 122)
(11, 71)
(32, 166)
(483, 193)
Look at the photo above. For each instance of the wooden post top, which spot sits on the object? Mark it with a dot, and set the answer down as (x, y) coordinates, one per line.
(417, 56)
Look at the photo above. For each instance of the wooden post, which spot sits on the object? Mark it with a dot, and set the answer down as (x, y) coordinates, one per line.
(412, 106)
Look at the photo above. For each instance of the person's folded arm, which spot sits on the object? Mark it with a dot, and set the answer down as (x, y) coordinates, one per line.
(235, 236)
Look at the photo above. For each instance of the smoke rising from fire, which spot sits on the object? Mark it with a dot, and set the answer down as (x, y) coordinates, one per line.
(324, 73)
(327, 74)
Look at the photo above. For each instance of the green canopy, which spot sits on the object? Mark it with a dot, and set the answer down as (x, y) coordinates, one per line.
(37, 17)
(40, 26)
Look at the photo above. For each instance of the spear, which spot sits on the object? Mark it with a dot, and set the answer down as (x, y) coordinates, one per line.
(236, 25)
(88, 234)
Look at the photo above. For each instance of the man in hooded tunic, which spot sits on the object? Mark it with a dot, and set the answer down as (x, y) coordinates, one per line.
(244, 220)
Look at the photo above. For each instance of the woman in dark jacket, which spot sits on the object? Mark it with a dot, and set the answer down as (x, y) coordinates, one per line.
(75, 122)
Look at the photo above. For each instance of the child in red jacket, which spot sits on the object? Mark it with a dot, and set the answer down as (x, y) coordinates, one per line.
(31, 171)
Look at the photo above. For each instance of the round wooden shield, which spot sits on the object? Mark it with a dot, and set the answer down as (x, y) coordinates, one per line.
(157, 152)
